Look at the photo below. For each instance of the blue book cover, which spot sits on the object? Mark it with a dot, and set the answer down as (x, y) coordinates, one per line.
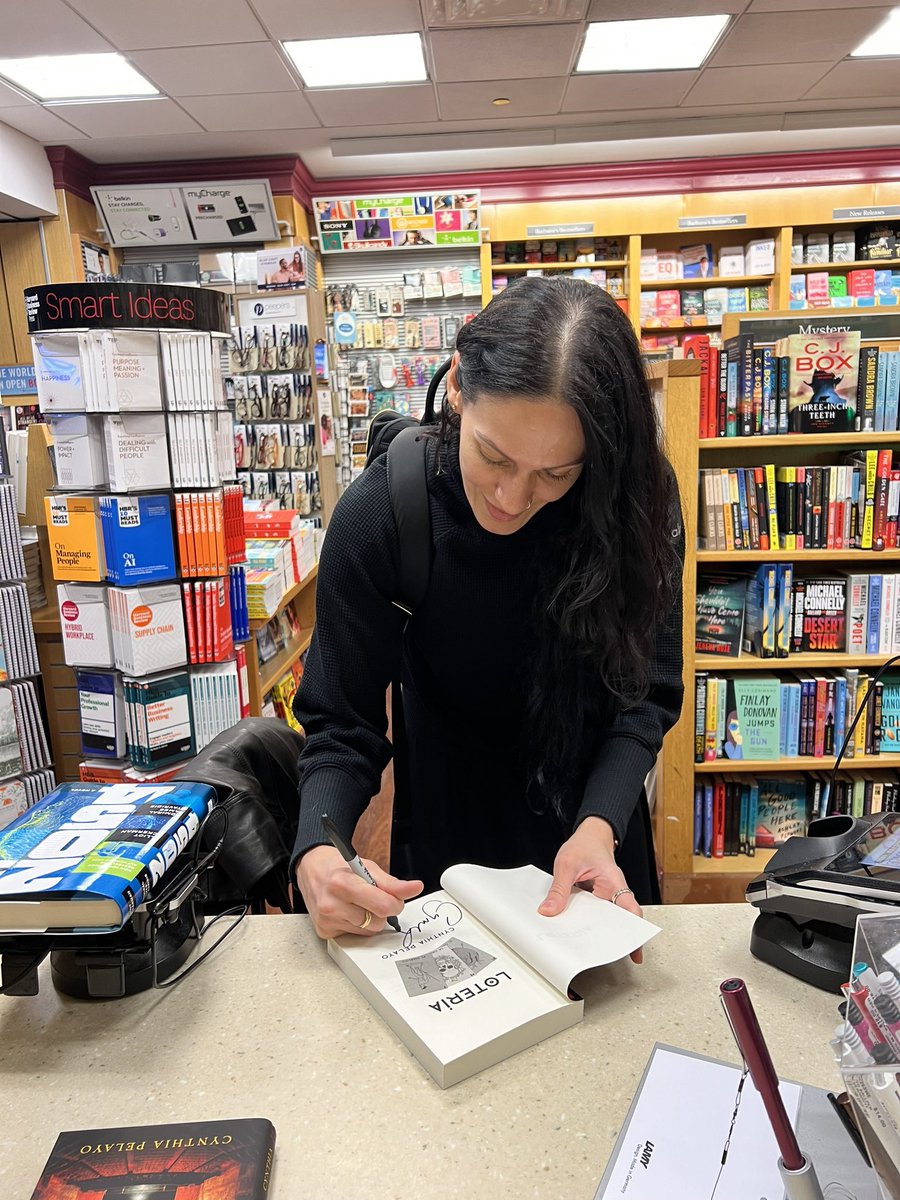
(840, 711)
(87, 855)
(101, 706)
(891, 389)
(138, 539)
(753, 815)
(698, 817)
(880, 393)
(873, 620)
(792, 745)
(707, 819)
(781, 812)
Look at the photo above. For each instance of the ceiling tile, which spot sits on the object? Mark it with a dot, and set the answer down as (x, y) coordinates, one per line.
(759, 6)
(255, 110)
(132, 26)
(46, 27)
(210, 70)
(529, 98)
(859, 77)
(337, 18)
(195, 146)
(639, 10)
(458, 13)
(775, 37)
(138, 117)
(630, 89)
(744, 85)
(10, 98)
(41, 124)
(368, 106)
(519, 52)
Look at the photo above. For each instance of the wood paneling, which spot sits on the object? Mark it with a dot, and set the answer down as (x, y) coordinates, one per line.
(23, 266)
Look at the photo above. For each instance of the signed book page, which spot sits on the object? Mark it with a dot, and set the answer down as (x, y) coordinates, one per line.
(466, 990)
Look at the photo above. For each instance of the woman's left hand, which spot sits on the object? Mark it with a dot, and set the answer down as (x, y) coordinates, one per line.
(588, 859)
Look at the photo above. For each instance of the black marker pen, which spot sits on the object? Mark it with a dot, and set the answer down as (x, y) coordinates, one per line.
(353, 861)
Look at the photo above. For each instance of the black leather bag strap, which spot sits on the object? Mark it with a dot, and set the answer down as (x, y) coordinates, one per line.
(408, 487)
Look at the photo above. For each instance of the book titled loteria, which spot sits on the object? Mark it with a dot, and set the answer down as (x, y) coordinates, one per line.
(479, 974)
(87, 855)
(225, 1159)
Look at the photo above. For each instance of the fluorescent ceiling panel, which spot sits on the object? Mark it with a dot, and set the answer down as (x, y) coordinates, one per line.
(355, 61)
(76, 77)
(884, 42)
(660, 44)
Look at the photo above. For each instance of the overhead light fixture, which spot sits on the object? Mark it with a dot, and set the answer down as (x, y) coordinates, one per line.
(359, 61)
(62, 77)
(501, 101)
(659, 44)
(884, 42)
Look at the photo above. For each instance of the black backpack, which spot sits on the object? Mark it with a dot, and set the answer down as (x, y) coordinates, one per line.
(398, 437)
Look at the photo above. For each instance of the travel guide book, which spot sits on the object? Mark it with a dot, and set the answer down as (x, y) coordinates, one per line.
(478, 973)
(87, 855)
(227, 1159)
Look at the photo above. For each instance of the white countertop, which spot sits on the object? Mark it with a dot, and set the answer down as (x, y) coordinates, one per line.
(270, 1027)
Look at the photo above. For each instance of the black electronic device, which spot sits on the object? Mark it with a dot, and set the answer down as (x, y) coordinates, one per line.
(814, 888)
(241, 225)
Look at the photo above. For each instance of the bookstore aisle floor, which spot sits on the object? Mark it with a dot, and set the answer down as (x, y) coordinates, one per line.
(353, 1111)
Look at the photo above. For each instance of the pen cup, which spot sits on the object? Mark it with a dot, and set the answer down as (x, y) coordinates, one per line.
(867, 1045)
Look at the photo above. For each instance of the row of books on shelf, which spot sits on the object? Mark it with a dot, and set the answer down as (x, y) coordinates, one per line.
(763, 717)
(865, 288)
(843, 245)
(699, 261)
(164, 719)
(12, 562)
(611, 281)
(18, 649)
(738, 814)
(775, 612)
(131, 540)
(18, 795)
(24, 748)
(279, 702)
(853, 505)
(710, 303)
(806, 383)
(128, 371)
(281, 631)
(138, 451)
(576, 249)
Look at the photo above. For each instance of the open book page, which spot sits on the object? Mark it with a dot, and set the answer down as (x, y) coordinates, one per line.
(453, 983)
(589, 933)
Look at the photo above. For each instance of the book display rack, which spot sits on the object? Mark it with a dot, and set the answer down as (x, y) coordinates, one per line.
(145, 522)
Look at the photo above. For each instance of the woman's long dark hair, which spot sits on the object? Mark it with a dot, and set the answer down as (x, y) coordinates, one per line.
(610, 583)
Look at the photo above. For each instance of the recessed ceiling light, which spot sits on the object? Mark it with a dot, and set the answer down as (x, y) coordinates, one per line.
(77, 77)
(500, 101)
(884, 42)
(357, 61)
(660, 44)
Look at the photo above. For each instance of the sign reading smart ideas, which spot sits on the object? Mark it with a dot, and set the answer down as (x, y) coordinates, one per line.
(125, 306)
(355, 223)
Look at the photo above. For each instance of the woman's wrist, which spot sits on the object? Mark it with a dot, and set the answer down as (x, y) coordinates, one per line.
(602, 826)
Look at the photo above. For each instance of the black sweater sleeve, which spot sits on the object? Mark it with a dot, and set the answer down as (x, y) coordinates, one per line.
(627, 749)
(354, 654)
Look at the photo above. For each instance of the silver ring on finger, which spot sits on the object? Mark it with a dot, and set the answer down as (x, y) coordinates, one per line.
(621, 892)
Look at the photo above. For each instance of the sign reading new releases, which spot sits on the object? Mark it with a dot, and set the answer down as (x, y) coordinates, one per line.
(371, 223)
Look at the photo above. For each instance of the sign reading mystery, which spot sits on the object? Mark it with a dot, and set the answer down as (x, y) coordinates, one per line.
(125, 306)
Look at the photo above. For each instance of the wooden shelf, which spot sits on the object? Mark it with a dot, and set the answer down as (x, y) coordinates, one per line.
(734, 864)
(728, 766)
(750, 556)
(798, 662)
(864, 264)
(705, 282)
(272, 670)
(675, 323)
(262, 622)
(502, 268)
(851, 438)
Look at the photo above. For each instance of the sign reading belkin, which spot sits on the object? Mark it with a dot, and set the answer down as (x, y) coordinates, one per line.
(124, 306)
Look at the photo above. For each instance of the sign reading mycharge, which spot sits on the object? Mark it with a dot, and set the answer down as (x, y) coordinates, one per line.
(124, 306)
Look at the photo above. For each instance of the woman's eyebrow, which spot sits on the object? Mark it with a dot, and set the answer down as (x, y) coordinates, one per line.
(487, 442)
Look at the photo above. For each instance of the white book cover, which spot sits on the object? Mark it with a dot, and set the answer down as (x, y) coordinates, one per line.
(86, 628)
(137, 451)
(886, 616)
(477, 973)
(58, 372)
(133, 369)
(150, 628)
(78, 449)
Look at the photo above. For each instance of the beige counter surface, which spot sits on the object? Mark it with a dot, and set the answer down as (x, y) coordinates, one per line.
(268, 1026)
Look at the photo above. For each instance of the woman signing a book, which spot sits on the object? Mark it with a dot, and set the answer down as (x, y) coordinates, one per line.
(544, 666)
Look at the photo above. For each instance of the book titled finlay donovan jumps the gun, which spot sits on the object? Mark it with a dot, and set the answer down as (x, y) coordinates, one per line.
(478, 973)
(87, 855)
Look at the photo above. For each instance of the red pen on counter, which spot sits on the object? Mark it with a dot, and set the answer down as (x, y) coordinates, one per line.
(796, 1168)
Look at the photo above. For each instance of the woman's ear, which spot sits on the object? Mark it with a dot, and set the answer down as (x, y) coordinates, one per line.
(454, 396)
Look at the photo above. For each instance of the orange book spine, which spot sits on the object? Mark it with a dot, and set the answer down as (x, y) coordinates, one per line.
(179, 531)
(189, 540)
(217, 504)
(198, 535)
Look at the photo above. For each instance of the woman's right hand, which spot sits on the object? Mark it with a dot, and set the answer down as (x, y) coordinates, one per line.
(338, 900)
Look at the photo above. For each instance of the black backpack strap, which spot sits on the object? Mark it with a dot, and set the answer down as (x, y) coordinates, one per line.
(408, 487)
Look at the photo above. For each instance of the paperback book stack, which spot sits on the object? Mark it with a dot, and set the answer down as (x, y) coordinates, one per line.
(146, 522)
(25, 759)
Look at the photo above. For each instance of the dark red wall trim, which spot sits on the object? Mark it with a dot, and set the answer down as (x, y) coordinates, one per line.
(288, 175)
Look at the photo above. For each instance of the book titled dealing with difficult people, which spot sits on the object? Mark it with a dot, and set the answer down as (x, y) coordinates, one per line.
(478, 973)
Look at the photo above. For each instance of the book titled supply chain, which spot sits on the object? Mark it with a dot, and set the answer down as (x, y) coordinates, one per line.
(87, 855)
(478, 974)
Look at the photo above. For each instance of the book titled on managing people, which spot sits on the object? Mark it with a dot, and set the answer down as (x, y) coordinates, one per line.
(87, 855)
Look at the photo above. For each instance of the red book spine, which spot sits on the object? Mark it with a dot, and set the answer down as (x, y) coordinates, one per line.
(240, 655)
(210, 610)
(819, 730)
(189, 622)
(200, 618)
(882, 482)
(718, 819)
